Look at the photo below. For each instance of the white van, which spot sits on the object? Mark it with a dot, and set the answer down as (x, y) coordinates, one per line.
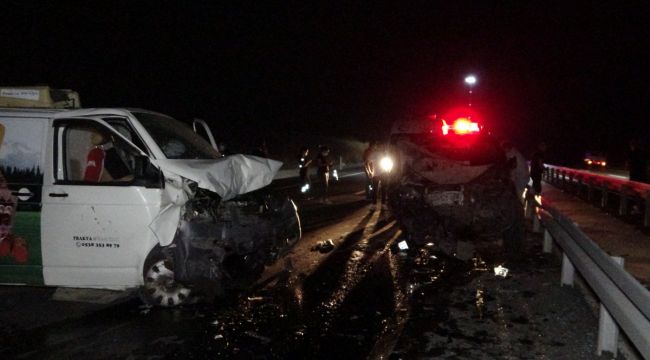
(122, 198)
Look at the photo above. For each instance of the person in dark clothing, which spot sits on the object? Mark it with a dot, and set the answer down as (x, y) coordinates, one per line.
(324, 164)
(369, 167)
(537, 168)
(303, 167)
(637, 162)
(260, 149)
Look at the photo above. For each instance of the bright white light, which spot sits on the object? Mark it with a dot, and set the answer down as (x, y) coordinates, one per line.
(304, 188)
(386, 164)
(403, 245)
(335, 175)
(470, 80)
(500, 271)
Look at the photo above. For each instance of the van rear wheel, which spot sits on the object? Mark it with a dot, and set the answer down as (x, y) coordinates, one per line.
(160, 287)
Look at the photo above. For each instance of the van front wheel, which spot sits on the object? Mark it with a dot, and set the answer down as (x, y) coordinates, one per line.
(160, 288)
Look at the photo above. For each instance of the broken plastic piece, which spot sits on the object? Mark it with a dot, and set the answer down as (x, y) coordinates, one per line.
(403, 245)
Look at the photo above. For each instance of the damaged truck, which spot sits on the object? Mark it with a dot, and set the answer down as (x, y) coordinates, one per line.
(128, 198)
(451, 184)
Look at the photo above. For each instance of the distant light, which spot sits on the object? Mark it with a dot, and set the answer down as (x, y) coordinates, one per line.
(470, 80)
(403, 245)
(500, 271)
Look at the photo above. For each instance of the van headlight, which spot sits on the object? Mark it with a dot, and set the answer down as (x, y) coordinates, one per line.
(386, 164)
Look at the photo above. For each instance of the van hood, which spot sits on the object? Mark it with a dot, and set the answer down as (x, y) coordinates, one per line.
(230, 176)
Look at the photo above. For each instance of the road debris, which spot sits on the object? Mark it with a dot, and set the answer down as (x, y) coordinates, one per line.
(324, 246)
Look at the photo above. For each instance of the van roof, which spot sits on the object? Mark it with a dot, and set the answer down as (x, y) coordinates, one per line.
(29, 112)
(32, 112)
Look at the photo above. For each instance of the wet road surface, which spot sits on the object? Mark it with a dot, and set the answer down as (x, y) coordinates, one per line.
(364, 299)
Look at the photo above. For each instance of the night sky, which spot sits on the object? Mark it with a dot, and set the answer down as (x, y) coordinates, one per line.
(576, 76)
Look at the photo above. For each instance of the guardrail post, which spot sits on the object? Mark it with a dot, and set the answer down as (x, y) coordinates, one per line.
(607, 328)
(554, 176)
(580, 185)
(568, 271)
(622, 204)
(646, 215)
(548, 242)
(604, 197)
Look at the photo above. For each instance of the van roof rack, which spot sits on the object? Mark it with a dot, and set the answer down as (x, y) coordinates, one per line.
(43, 97)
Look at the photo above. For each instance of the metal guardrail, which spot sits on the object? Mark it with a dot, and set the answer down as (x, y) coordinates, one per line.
(586, 183)
(624, 302)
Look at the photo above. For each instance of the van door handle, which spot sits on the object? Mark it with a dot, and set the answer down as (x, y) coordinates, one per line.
(58, 195)
(18, 193)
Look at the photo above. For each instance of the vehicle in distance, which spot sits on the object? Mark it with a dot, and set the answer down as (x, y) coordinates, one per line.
(595, 160)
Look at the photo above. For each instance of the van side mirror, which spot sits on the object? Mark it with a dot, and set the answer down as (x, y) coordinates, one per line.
(146, 174)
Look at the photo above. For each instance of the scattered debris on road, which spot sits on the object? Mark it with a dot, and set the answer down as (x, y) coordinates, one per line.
(324, 246)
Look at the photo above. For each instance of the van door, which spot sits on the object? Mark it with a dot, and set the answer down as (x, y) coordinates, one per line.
(22, 141)
(95, 212)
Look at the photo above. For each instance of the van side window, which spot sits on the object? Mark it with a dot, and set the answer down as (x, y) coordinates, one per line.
(93, 154)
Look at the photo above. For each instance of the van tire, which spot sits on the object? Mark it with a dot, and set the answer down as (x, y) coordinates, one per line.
(160, 288)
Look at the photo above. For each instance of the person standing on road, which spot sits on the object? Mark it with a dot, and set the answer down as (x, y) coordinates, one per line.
(378, 181)
(369, 167)
(324, 164)
(303, 167)
(519, 171)
(537, 168)
(637, 162)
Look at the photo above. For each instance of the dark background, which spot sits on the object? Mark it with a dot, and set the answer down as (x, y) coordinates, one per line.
(575, 76)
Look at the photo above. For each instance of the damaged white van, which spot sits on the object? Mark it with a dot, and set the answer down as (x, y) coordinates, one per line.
(123, 198)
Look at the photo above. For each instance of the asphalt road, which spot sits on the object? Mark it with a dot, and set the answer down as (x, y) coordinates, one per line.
(364, 299)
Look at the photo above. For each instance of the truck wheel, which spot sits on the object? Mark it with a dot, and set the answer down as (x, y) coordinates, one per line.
(160, 288)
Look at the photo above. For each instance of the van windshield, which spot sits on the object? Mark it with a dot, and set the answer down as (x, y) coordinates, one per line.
(175, 139)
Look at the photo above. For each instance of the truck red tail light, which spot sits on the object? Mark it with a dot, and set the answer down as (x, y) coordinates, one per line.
(461, 126)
